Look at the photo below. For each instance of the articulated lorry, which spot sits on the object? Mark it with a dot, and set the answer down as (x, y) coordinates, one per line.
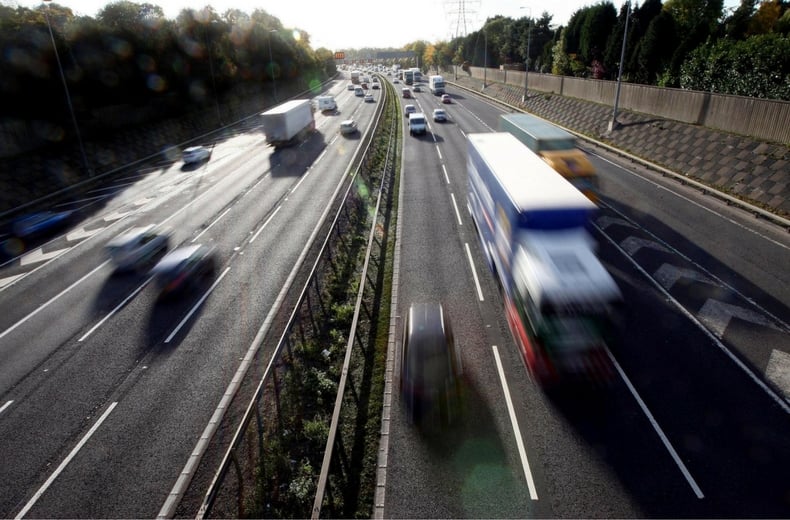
(556, 146)
(561, 303)
(288, 122)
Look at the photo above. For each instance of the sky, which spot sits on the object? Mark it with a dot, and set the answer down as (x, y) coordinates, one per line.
(339, 25)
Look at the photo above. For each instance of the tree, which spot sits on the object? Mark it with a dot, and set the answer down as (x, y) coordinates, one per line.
(561, 63)
(736, 26)
(597, 25)
(766, 17)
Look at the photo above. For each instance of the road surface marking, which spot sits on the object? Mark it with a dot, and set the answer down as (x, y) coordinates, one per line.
(605, 222)
(38, 255)
(474, 272)
(10, 279)
(717, 315)
(668, 275)
(212, 224)
(657, 428)
(446, 178)
(438, 151)
(457, 213)
(116, 309)
(264, 224)
(197, 305)
(777, 371)
(65, 462)
(82, 233)
(533, 493)
(51, 300)
(633, 244)
(6, 405)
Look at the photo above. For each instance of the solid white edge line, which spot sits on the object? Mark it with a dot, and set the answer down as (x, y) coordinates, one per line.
(265, 224)
(116, 309)
(65, 462)
(457, 213)
(446, 177)
(533, 493)
(197, 305)
(474, 272)
(767, 389)
(462, 133)
(212, 224)
(657, 428)
(6, 405)
(51, 300)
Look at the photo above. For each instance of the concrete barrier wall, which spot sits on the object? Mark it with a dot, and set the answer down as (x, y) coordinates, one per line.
(754, 117)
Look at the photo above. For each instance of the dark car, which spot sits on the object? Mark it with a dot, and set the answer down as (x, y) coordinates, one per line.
(40, 223)
(184, 268)
(430, 372)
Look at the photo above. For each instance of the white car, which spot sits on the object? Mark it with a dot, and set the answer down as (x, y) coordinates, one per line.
(439, 114)
(196, 154)
(351, 86)
(369, 98)
(136, 247)
(349, 126)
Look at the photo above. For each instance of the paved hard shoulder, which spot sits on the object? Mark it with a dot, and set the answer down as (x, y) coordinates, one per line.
(755, 171)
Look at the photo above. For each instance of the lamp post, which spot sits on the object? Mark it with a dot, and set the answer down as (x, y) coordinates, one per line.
(526, 61)
(613, 123)
(211, 69)
(68, 96)
(271, 65)
(485, 56)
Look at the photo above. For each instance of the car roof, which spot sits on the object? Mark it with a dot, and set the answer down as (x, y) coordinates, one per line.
(129, 236)
(427, 329)
(180, 255)
(347, 122)
(193, 148)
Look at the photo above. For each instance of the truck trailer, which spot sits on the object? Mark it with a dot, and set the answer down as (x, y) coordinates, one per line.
(436, 85)
(288, 122)
(561, 303)
(556, 146)
(325, 103)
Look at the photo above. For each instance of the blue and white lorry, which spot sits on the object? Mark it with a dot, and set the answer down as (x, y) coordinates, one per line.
(561, 303)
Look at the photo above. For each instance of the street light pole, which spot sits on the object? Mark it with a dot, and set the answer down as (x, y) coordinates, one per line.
(271, 65)
(485, 56)
(526, 61)
(211, 69)
(613, 123)
(68, 96)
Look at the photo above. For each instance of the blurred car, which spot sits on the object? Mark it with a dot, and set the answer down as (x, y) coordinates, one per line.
(196, 154)
(417, 88)
(358, 91)
(409, 109)
(406, 92)
(349, 126)
(375, 86)
(183, 268)
(439, 114)
(446, 98)
(351, 86)
(364, 85)
(369, 98)
(396, 80)
(39, 223)
(136, 247)
(431, 369)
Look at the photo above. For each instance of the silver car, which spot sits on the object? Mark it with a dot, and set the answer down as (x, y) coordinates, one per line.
(136, 247)
(196, 154)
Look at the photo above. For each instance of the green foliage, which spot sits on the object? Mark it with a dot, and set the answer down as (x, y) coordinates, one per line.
(597, 24)
(758, 66)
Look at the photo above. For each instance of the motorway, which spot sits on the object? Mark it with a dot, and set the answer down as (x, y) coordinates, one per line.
(105, 389)
(689, 429)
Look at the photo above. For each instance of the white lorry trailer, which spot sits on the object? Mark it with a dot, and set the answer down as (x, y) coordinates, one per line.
(288, 122)
(325, 103)
(436, 85)
(560, 302)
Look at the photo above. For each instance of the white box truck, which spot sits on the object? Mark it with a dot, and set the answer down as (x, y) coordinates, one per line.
(288, 122)
(436, 84)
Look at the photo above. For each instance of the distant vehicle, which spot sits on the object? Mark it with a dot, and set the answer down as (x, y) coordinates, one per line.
(557, 147)
(375, 79)
(396, 80)
(359, 92)
(195, 154)
(369, 98)
(355, 74)
(136, 247)
(375, 86)
(417, 124)
(406, 92)
(409, 109)
(39, 223)
(436, 85)
(349, 126)
(446, 99)
(288, 122)
(417, 88)
(561, 304)
(439, 114)
(351, 86)
(364, 85)
(431, 367)
(183, 268)
(325, 103)
(416, 74)
(408, 76)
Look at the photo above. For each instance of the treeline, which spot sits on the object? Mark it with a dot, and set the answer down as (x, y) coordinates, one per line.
(130, 64)
(691, 44)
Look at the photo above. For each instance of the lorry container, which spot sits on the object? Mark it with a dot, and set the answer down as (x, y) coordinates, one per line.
(560, 302)
(355, 74)
(288, 122)
(436, 85)
(556, 146)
